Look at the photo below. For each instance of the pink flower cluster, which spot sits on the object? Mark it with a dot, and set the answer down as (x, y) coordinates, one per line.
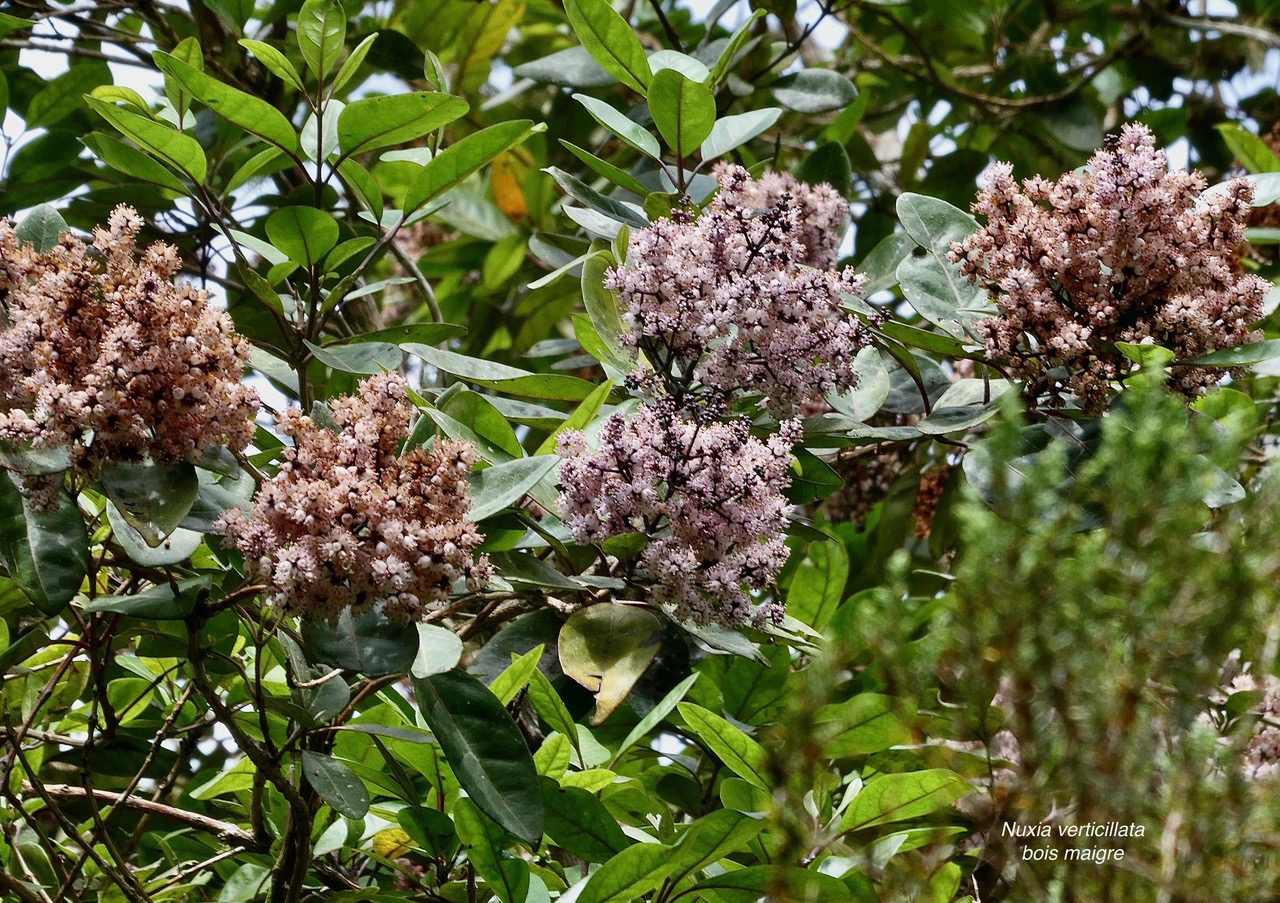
(104, 354)
(741, 299)
(1125, 251)
(708, 494)
(349, 522)
(816, 214)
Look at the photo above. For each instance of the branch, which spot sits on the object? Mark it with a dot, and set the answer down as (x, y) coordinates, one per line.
(224, 831)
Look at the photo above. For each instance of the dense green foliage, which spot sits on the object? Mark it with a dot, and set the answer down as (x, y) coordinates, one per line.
(999, 615)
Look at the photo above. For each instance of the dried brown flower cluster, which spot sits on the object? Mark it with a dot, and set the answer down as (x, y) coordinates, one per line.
(1125, 251)
(933, 483)
(350, 522)
(105, 354)
(868, 478)
(1262, 751)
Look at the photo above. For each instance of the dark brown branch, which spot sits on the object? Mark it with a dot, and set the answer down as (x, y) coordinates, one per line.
(224, 831)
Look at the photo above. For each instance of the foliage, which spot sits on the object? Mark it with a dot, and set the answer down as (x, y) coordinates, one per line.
(620, 523)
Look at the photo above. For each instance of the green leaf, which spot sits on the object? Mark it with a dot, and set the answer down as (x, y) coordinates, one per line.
(881, 265)
(275, 62)
(46, 550)
(817, 588)
(901, 797)
(619, 177)
(121, 94)
(630, 132)
(125, 159)
(337, 784)
(363, 185)
(509, 380)
(601, 304)
(177, 546)
(370, 643)
(1240, 356)
(10, 23)
(743, 756)
(1248, 148)
(305, 234)
(254, 115)
(923, 338)
(369, 358)
(353, 64)
(378, 122)
(485, 749)
(580, 419)
(486, 449)
(583, 193)
(933, 223)
(551, 708)
(829, 164)
(1148, 357)
(655, 716)
(42, 227)
(319, 138)
(691, 67)
(867, 723)
(814, 91)
(183, 151)
(507, 877)
(611, 41)
(865, 399)
(25, 458)
(159, 603)
(502, 485)
(735, 131)
(579, 823)
(439, 650)
(517, 676)
(413, 333)
(938, 292)
(263, 163)
(683, 110)
(606, 648)
(322, 30)
(218, 492)
(710, 839)
(154, 498)
(750, 884)
(476, 412)
(460, 160)
(733, 46)
(60, 97)
(629, 875)
(572, 67)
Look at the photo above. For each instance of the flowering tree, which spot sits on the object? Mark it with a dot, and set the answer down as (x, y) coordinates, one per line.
(503, 451)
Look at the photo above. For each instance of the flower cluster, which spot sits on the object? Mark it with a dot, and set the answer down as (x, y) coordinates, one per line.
(740, 298)
(1262, 752)
(709, 494)
(817, 214)
(1125, 251)
(350, 522)
(106, 355)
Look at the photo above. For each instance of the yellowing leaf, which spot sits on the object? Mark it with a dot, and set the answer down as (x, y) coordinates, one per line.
(508, 173)
(606, 648)
(391, 842)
